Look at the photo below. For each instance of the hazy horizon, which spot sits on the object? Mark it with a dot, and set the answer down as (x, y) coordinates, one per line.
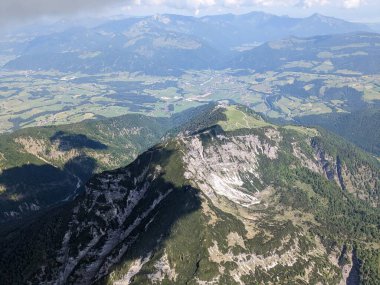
(18, 13)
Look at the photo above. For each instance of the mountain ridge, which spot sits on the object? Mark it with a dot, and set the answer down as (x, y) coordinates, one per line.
(157, 44)
(228, 203)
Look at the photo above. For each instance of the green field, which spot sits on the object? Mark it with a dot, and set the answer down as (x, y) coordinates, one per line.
(237, 119)
(50, 98)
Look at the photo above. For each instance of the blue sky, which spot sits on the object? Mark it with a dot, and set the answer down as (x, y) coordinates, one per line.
(16, 11)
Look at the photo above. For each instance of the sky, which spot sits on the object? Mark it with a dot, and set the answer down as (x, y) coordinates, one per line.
(16, 12)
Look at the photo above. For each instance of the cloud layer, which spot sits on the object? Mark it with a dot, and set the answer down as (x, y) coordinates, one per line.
(196, 4)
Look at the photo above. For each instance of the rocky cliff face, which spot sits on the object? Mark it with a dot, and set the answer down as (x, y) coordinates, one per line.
(254, 204)
(106, 222)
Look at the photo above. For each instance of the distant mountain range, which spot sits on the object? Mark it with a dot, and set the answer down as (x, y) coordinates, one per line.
(167, 44)
(357, 52)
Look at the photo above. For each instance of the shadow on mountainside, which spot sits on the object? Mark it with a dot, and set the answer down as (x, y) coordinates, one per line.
(24, 251)
(156, 230)
(32, 187)
(354, 275)
(68, 142)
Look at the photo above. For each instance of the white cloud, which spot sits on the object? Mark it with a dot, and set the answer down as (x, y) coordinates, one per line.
(199, 4)
(313, 3)
(351, 4)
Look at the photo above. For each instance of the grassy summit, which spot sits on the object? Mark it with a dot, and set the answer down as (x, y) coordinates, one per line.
(238, 119)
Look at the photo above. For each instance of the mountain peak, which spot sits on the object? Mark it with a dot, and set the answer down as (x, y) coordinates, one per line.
(164, 19)
(240, 200)
(317, 15)
(225, 114)
(326, 19)
(240, 117)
